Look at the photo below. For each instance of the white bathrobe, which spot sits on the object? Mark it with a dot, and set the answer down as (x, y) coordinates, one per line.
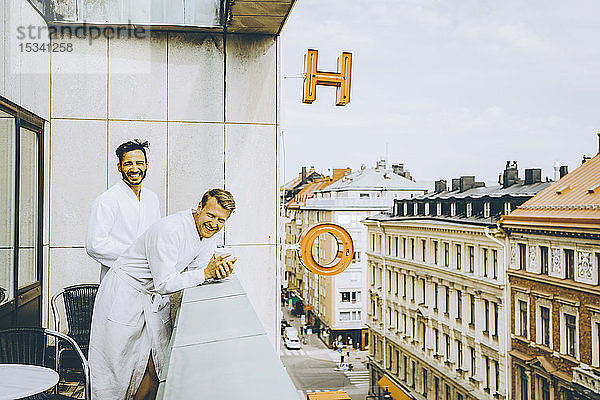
(117, 219)
(131, 312)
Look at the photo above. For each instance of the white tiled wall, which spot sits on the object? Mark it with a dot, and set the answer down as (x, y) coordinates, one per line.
(169, 90)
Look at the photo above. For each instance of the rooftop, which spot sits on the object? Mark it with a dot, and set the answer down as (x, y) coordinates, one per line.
(573, 201)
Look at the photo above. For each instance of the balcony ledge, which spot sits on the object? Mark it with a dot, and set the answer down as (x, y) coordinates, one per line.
(219, 349)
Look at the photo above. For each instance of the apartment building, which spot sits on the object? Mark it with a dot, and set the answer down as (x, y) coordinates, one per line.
(336, 306)
(554, 276)
(437, 305)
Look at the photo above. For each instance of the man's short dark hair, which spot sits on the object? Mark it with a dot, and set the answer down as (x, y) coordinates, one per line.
(135, 144)
(223, 197)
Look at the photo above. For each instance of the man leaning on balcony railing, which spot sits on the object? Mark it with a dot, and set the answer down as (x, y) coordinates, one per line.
(131, 324)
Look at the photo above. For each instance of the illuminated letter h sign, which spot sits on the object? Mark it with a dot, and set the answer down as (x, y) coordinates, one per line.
(340, 79)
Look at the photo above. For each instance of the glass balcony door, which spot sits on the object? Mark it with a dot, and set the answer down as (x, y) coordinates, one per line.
(20, 213)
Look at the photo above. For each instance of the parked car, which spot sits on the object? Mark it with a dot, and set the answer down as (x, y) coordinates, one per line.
(292, 343)
(290, 332)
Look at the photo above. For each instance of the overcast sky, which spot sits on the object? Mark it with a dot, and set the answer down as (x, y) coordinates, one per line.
(450, 88)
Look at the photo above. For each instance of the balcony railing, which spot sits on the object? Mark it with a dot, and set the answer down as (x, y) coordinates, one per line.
(219, 349)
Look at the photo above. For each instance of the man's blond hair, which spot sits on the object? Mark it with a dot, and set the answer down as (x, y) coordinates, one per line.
(223, 197)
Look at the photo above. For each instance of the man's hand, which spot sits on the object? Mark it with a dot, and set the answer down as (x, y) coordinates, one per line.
(219, 267)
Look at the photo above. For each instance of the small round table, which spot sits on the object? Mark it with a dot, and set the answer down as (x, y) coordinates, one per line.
(19, 380)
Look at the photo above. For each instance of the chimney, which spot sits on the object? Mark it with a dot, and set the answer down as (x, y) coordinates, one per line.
(303, 175)
(441, 186)
(466, 182)
(564, 169)
(556, 171)
(398, 169)
(585, 158)
(511, 174)
(455, 184)
(533, 175)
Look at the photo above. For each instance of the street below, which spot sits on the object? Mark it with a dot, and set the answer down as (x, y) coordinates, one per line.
(315, 367)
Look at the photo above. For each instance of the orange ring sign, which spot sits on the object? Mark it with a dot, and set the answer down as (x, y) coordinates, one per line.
(343, 256)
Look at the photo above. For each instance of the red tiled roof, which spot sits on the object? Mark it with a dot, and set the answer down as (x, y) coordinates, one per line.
(571, 202)
(308, 191)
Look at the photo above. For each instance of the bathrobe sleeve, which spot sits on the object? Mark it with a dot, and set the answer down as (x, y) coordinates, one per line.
(99, 243)
(163, 247)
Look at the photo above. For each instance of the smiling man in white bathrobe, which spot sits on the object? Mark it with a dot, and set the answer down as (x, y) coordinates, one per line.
(131, 322)
(123, 212)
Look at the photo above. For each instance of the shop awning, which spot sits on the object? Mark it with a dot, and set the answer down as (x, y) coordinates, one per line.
(396, 392)
(295, 299)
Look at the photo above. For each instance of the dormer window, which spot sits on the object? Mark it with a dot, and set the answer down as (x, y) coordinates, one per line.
(415, 209)
(507, 208)
(486, 209)
(439, 208)
(469, 209)
(453, 209)
(427, 208)
(405, 209)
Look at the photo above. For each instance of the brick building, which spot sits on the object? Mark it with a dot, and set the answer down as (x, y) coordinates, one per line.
(554, 277)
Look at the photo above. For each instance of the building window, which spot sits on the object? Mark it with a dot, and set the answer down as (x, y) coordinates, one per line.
(436, 388)
(487, 373)
(569, 264)
(412, 249)
(486, 209)
(389, 245)
(345, 297)
(447, 302)
(485, 262)
(448, 392)
(486, 311)
(447, 342)
(570, 333)
(523, 317)
(403, 247)
(423, 290)
(522, 256)
(472, 310)
(495, 264)
(435, 296)
(412, 288)
(544, 387)
(473, 361)
(405, 365)
(544, 260)
(469, 209)
(397, 315)
(436, 338)
(497, 373)
(435, 252)
(396, 283)
(413, 325)
(404, 286)
(345, 316)
(396, 246)
(471, 254)
(524, 384)
(507, 208)
(424, 382)
(446, 254)
(459, 354)
(453, 209)
(423, 249)
(373, 242)
(544, 326)
(458, 257)
(458, 305)
(495, 320)
(413, 373)
(389, 281)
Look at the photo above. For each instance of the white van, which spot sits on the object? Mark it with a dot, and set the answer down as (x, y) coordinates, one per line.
(291, 338)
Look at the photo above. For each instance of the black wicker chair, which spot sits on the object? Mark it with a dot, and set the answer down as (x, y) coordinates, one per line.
(32, 346)
(78, 303)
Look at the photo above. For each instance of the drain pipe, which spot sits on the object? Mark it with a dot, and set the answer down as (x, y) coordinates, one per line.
(504, 246)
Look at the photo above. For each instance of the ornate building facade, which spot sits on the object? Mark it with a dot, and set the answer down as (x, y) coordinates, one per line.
(437, 300)
(554, 275)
